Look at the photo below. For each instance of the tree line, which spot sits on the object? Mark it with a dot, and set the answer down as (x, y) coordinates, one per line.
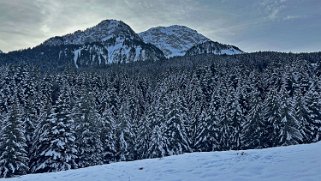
(59, 120)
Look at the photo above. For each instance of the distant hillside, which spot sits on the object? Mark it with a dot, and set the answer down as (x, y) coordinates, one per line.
(211, 47)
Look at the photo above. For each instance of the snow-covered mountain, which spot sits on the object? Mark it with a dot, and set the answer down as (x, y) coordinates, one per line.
(211, 47)
(113, 41)
(173, 40)
(300, 162)
(108, 42)
(104, 31)
(1, 51)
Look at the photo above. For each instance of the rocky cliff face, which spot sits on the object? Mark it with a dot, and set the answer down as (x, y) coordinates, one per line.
(173, 40)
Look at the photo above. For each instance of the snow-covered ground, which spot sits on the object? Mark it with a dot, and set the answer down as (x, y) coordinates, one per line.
(301, 162)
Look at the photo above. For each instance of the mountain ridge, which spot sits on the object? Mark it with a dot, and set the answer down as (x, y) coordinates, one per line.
(103, 31)
(113, 41)
(212, 47)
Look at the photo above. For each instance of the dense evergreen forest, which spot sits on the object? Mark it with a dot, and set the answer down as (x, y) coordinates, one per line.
(54, 119)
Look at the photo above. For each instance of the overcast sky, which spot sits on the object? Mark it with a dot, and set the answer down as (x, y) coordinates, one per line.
(252, 25)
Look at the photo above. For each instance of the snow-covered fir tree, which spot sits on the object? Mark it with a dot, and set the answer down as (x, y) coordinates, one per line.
(175, 120)
(55, 147)
(13, 154)
(88, 124)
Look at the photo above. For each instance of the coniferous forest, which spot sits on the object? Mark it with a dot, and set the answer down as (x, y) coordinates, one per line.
(54, 119)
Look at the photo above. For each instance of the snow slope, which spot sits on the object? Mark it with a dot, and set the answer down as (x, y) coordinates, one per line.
(173, 40)
(300, 162)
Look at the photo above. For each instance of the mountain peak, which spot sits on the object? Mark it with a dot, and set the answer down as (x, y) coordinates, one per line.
(110, 21)
(102, 32)
(112, 26)
(172, 27)
(180, 27)
(173, 40)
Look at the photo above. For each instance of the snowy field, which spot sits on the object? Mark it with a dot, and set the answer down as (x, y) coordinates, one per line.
(301, 162)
